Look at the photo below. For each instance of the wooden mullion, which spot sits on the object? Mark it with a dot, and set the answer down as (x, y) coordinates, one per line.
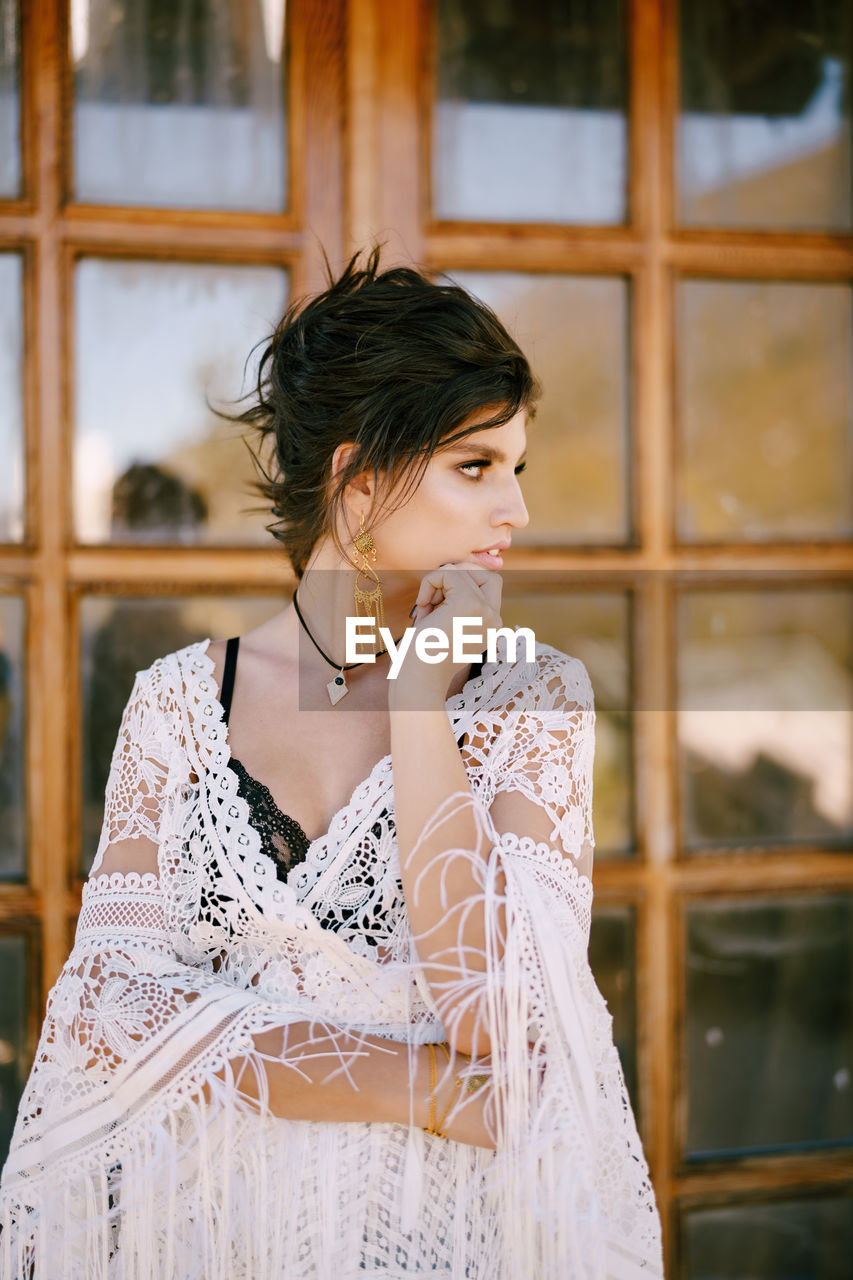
(17, 226)
(427, 103)
(670, 91)
(753, 257)
(569, 250)
(28, 112)
(752, 559)
(811, 874)
(725, 1181)
(18, 904)
(654, 773)
(398, 212)
(766, 241)
(363, 76)
(18, 566)
(317, 51)
(652, 463)
(268, 240)
(140, 217)
(181, 567)
(47, 646)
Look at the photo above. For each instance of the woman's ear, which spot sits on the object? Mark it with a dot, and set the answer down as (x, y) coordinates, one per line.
(341, 457)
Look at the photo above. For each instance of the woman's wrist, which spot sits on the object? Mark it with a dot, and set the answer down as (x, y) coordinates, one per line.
(388, 1082)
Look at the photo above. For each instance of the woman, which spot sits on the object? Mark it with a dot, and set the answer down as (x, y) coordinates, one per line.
(329, 1010)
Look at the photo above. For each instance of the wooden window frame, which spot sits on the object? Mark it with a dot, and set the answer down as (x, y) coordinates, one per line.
(360, 128)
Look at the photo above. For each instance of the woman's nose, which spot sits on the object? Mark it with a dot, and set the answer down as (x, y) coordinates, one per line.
(515, 512)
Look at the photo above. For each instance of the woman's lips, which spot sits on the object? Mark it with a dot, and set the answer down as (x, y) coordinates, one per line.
(491, 562)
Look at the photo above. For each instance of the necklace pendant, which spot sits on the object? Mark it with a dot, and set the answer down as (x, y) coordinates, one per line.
(337, 688)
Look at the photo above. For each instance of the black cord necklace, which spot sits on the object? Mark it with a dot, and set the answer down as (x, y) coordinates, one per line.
(336, 688)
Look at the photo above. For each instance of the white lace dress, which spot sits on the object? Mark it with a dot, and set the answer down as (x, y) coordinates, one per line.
(135, 1152)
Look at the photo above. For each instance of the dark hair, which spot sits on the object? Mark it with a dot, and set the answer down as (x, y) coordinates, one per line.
(393, 363)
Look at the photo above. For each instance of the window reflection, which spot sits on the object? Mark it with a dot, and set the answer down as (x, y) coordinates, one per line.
(574, 330)
(154, 341)
(11, 399)
(122, 635)
(529, 121)
(612, 958)
(769, 1025)
(765, 410)
(765, 718)
(764, 134)
(782, 1239)
(10, 155)
(14, 1049)
(179, 105)
(12, 739)
(595, 627)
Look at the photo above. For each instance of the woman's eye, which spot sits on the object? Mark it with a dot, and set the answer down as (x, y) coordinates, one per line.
(480, 465)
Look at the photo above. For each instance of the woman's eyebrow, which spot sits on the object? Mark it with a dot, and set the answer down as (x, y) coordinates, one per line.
(481, 451)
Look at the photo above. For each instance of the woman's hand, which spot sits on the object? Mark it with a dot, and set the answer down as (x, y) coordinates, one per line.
(460, 590)
(469, 1125)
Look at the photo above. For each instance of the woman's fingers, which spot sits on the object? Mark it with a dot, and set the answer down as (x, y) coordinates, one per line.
(464, 587)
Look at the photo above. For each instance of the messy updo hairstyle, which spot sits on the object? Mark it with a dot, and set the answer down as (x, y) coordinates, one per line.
(389, 361)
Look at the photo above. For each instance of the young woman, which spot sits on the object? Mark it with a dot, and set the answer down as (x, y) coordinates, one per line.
(329, 1010)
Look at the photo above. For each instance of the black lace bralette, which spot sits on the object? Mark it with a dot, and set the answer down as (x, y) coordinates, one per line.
(282, 838)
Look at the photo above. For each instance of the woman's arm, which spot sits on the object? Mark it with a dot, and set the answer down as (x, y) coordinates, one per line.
(444, 893)
(386, 1082)
(296, 1069)
(446, 837)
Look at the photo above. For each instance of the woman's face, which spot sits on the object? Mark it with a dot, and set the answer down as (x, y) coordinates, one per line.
(468, 500)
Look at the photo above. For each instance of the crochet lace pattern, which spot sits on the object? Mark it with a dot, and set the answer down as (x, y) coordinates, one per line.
(136, 1152)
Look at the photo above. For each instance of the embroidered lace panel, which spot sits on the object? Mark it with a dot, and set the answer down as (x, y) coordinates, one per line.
(145, 1143)
(282, 838)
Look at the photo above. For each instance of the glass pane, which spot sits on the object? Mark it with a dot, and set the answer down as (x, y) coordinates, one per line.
(15, 1056)
(13, 856)
(180, 105)
(10, 152)
(764, 136)
(612, 958)
(765, 411)
(574, 331)
(765, 718)
(530, 113)
(152, 463)
(769, 1023)
(806, 1239)
(11, 399)
(120, 636)
(595, 627)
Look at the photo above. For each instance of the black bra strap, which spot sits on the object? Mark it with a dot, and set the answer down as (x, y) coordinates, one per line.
(228, 675)
(233, 645)
(477, 667)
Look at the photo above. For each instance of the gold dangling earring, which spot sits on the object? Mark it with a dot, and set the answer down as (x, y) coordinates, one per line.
(368, 604)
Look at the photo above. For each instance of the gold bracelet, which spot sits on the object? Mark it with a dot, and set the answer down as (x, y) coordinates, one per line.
(433, 1075)
(472, 1084)
(439, 1128)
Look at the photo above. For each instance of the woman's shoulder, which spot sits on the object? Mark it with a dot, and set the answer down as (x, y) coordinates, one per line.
(175, 674)
(553, 677)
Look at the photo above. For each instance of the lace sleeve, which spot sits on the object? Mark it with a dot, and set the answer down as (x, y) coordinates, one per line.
(143, 1058)
(143, 756)
(568, 1147)
(545, 752)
